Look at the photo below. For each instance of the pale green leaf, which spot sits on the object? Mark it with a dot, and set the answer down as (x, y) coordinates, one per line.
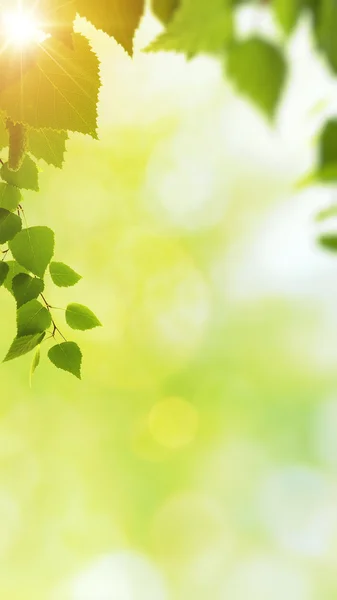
(10, 196)
(27, 177)
(258, 70)
(62, 275)
(48, 145)
(81, 317)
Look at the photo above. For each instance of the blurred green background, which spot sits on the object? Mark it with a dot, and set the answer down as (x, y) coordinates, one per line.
(198, 457)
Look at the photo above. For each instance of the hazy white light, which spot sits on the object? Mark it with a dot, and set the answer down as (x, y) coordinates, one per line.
(298, 507)
(121, 576)
(22, 28)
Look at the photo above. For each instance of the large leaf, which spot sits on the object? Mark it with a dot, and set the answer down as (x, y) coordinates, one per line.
(67, 356)
(258, 70)
(58, 91)
(23, 345)
(197, 26)
(33, 248)
(10, 225)
(32, 318)
(13, 269)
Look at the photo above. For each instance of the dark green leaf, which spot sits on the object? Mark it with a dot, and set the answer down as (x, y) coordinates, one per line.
(32, 318)
(326, 30)
(26, 288)
(33, 248)
(328, 241)
(4, 270)
(81, 317)
(164, 9)
(10, 225)
(67, 356)
(14, 269)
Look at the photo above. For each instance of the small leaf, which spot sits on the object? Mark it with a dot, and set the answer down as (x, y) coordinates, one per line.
(23, 345)
(67, 356)
(10, 196)
(81, 317)
(26, 177)
(328, 145)
(32, 318)
(4, 270)
(62, 275)
(26, 288)
(35, 364)
(287, 13)
(328, 241)
(33, 248)
(258, 70)
(10, 225)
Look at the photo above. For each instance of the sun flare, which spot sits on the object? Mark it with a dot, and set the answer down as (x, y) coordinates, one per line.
(22, 28)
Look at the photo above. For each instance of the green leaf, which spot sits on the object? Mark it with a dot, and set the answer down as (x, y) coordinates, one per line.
(81, 317)
(10, 225)
(62, 275)
(23, 345)
(26, 288)
(164, 9)
(33, 248)
(328, 241)
(32, 318)
(59, 89)
(48, 145)
(197, 26)
(10, 196)
(117, 18)
(14, 269)
(287, 13)
(67, 356)
(328, 145)
(326, 30)
(4, 270)
(258, 70)
(27, 177)
(18, 142)
(35, 364)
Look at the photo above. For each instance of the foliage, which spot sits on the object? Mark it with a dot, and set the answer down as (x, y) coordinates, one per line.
(50, 87)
